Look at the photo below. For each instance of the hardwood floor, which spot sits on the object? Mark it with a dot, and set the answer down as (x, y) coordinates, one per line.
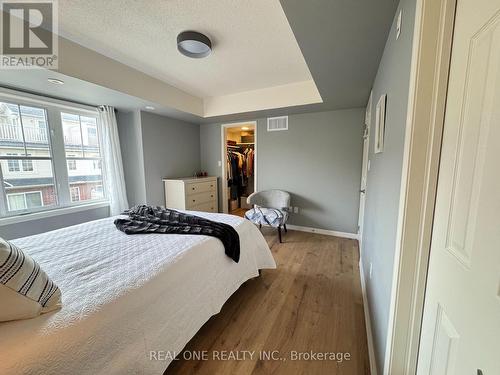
(239, 212)
(311, 302)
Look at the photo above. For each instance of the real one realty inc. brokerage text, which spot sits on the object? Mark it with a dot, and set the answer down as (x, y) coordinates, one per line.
(248, 355)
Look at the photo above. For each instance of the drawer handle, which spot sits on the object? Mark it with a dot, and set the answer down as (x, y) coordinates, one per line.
(194, 200)
(193, 188)
(212, 196)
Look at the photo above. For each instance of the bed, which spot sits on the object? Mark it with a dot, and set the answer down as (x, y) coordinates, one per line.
(125, 296)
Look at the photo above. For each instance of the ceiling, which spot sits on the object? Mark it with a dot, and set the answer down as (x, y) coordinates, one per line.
(342, 42)
(249, 128)
(254, 47)
(259, 46)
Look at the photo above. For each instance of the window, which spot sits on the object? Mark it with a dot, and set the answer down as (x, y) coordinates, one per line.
(35, 147)
(27, 165)
(83, 154)
(25, 159)
(13, 164)
(22, 201)
(75, 194)
(97, 192)
(92, 132)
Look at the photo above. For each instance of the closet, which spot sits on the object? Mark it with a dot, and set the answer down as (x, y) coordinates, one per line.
(240, 167)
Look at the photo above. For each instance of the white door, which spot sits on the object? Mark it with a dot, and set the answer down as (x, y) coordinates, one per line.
(461, 324)
(364, 169)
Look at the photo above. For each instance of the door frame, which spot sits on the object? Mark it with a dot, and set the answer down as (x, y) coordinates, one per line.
(224, 127)
(431, 54)
(364, 170)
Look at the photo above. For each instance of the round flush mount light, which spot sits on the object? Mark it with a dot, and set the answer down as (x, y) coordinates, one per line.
(55, 81)
(194, 44)
(150, 107)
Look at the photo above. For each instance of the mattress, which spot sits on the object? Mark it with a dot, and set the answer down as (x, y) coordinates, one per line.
(125, 296)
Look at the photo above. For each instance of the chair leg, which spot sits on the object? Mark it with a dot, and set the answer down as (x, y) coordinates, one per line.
(279, 233)
(284, 226)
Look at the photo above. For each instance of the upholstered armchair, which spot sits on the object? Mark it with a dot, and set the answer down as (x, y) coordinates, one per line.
(270, 207)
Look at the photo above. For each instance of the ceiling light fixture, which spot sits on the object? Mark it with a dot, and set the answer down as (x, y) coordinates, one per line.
(150, 107)
(55, 81)
(194, 44)
(244, 128)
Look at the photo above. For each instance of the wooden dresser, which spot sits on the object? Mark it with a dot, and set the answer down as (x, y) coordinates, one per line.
(191, 193)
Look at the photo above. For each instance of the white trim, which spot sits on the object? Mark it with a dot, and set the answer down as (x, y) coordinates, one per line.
(224, 127)
(327, 232)
(431, 53)
(51, 213)
(368, 323)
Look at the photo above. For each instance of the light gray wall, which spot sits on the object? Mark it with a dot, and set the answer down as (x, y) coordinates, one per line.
(171, 148)
(31, 227)
(130, 133)
(318, 160)
(211, 153)
(384, 177)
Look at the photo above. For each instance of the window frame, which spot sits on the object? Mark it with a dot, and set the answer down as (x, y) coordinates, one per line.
(53, 109)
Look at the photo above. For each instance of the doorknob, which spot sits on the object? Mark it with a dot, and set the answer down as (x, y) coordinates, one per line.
(363, 191)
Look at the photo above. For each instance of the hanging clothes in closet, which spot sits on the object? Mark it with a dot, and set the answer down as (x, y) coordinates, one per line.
(240, 162)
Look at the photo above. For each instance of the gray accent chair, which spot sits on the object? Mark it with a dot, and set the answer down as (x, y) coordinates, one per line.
(270, 207)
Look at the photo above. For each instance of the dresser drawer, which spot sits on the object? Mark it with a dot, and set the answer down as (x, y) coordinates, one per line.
(205, 207)
(200, 187)
(196, 199)
(191, 193)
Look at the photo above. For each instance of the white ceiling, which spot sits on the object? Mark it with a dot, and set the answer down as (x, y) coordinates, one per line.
(254, 46)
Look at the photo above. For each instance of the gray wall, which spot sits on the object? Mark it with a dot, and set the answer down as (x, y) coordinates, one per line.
(130, 133)
(318, 160)
(171, 148)
(31, 227)
(384, 177)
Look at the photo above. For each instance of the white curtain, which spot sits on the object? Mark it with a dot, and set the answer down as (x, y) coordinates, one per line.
(114, 179)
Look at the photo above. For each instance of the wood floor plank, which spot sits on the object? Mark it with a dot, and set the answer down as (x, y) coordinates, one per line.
(311, 302)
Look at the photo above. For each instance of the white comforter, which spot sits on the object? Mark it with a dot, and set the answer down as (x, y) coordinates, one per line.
(124, 296)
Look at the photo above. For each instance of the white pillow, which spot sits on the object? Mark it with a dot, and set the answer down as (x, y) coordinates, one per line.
(25, 289)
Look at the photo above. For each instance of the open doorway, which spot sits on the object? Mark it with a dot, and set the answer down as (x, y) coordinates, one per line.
(239, 155)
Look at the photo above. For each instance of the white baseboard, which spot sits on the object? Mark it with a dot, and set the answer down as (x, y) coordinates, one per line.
(369, 333)
(335, 233)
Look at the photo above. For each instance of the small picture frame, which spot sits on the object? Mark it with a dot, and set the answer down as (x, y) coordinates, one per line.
(380, 125)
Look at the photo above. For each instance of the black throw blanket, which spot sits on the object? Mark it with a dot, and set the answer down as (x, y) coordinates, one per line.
(147, 219)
